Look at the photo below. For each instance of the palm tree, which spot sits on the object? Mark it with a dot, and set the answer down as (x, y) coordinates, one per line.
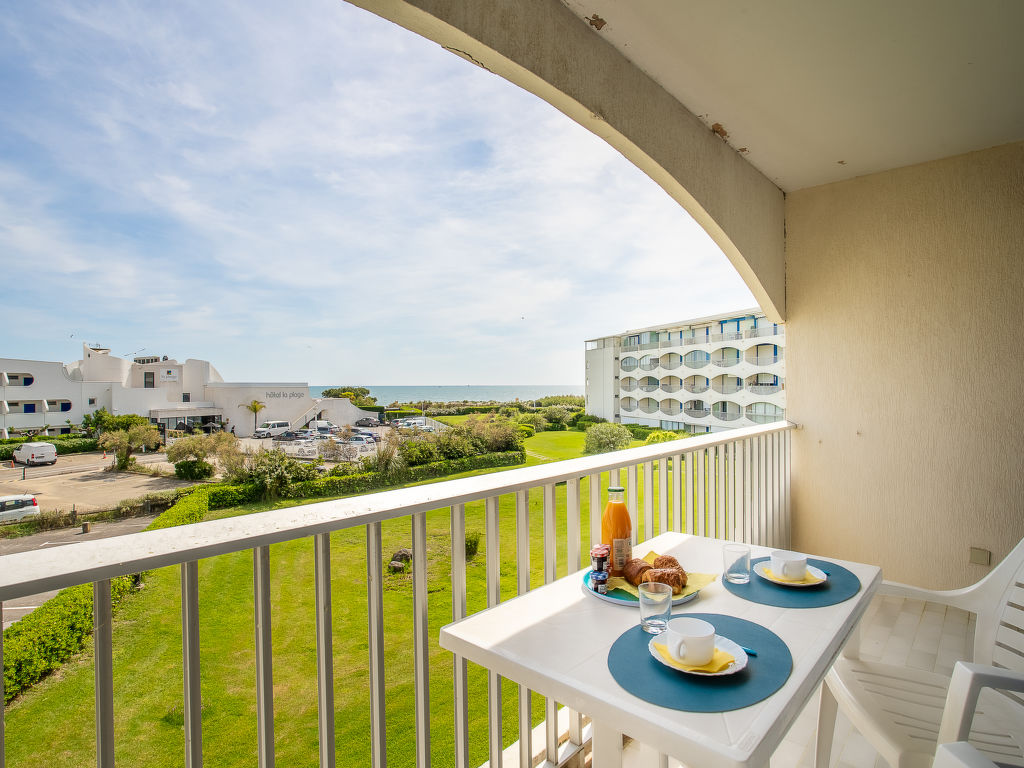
(254, 407)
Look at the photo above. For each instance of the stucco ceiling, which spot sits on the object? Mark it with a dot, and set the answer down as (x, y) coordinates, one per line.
(815, 91)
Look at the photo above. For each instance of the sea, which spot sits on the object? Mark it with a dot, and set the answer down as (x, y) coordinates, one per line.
(450, 393)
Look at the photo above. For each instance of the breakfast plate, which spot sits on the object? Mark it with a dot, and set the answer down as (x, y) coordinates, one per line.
(622, 597)
(723, 644)
(762, 568)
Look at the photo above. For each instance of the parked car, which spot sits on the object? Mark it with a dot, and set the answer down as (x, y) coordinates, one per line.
(35, 453)
(291, 434)
(367, 422)
(362, 442)
(325, 427)
(18, 507)
(270, 429)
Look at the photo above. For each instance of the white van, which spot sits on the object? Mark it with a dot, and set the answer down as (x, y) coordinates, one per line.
(324, 427)
(35, 453)
(271, 428)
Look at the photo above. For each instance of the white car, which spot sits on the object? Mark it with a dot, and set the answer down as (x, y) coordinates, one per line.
(35, 453)
(18, 507)
(362, 442)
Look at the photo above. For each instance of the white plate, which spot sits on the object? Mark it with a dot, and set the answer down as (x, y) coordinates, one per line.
(626, 598)
(761, 570)
(722, 644)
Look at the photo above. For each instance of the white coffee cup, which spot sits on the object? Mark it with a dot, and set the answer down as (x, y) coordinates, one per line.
(690, 641)
(789, 565)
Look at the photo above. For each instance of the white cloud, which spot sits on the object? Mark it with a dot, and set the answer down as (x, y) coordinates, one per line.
(308, 192)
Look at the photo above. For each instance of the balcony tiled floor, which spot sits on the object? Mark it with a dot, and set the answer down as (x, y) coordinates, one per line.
(896, 631)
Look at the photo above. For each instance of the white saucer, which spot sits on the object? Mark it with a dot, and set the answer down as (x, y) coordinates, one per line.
(721, 644)
(761, 570)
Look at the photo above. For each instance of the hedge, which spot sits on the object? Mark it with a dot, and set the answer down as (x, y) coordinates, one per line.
(41, 438)
(223, 496)
(38, 644)
(67, 445)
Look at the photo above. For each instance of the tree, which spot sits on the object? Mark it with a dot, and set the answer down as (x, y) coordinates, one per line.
(254, 407)
(358, 395)
(661, 436)
(602, 438)
(101, 420)
(189, 454)
(123, 442)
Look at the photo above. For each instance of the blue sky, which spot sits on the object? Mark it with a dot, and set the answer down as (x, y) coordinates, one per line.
(305, 192)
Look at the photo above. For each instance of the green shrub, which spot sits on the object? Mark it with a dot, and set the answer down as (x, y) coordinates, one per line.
(639, 431)
(41, 642)
(535, 420)
(526, 430)
(472, 544)
(193, 469)
(601, 438)
(419, 451)
(572, 401)
(584, 420)
(224, 496)
(661, 436)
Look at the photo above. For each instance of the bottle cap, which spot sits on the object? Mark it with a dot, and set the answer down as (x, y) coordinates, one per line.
(614, 488)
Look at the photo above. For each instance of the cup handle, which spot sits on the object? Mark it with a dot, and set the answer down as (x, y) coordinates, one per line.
(677, 648)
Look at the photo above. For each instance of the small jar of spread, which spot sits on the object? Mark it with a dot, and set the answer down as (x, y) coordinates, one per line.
(599, 555)
(599, 582)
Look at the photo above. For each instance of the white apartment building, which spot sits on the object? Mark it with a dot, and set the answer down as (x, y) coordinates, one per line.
(702, 375)
(50, 396)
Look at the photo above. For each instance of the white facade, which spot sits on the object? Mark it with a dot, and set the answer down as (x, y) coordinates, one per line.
(701, 375)
(37, 394)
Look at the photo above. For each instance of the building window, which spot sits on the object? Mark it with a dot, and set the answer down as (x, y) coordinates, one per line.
(186, 397)
(148, 380)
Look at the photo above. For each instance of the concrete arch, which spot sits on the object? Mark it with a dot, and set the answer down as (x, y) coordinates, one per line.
(544, 48)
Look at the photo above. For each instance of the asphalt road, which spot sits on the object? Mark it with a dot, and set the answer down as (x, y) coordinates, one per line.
(22, 606)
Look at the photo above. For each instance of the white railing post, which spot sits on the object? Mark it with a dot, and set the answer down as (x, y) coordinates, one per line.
(594, 489)
(461, 686)
(103, 643)
(493, 535)
(264, 658)
(648, 500)
(3, 697)
(375, 629)
(550, 574)
(632, 500)
(324, 648)
(522, 587)
(421, 650)
(193, 702)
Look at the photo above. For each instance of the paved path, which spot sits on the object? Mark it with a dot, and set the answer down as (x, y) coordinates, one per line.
(16, 609)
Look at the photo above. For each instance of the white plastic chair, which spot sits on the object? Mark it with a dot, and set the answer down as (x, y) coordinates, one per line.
(960, 754)
(905, 713)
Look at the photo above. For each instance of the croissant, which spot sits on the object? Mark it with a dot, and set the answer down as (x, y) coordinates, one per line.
(674, 577)
(634, 570)
(666, 561)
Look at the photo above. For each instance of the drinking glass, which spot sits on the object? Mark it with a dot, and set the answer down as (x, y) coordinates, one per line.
(736, 559)
(655, 607)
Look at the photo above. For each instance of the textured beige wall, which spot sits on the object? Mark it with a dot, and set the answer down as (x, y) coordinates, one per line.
(543, 47)
(905, 365)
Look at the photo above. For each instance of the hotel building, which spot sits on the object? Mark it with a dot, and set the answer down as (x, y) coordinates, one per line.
(702, 375)
(49, 397)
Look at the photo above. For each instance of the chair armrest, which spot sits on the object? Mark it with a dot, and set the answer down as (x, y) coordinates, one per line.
(958, 598)
(960, 754)
(964, 687)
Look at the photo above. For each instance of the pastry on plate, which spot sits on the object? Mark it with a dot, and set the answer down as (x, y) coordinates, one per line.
(674, 577)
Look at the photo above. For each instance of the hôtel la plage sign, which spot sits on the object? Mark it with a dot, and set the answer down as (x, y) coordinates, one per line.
(284, 395)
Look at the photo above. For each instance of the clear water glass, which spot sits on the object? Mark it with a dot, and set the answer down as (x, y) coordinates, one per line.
(736, 561)
(655, 607)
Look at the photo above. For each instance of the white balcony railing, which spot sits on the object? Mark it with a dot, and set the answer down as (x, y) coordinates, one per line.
(696, 363)
(695, 389)
(648, 387)
(670, 364)
(731, 485)
(727, 415)
(765, 418)
(756, 333)
(648, 365)
(727, 389)
(764, 359)
(763, 389)
(726, 362)
(727, 336)
(697, 413)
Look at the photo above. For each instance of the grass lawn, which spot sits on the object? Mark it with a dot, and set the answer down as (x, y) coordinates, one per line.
(53, 726)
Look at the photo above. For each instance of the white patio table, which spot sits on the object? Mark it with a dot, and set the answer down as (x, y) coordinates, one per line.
(556, 638)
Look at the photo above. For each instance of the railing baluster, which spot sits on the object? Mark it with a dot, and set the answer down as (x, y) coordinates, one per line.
(648, 500)
(494, 739)
(324, 648)
(421, 650)
(733, 513)
(264, 658)
(375, 624)
(678, 489)
(103, 644)
(776, 495)
(193, 704)
(522, 587)
(632, 498)
(712, 492)
(663, 475)
(722, 469)
(595, 508)
(787, 515)
(743, 490)
(3, 698)
(550, 574)
(461, 687)
(572, 561)
(762, 494)
(700, 503)
(689, 490)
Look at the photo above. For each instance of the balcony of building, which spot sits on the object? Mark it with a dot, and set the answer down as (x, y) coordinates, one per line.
(670, 361)
(648, 384)
(670, 384)
(647, 405)
(726, 384)
(764, 330)
(627, 404)
(764, 354)
(627, 384)
(726, 411)
(671, 407)
(696, 385)
(726, 357)
(765, 413)
(764, 384)
(628, 364)
(727, 336)
(696, 409)
(696, 359)
(648, 362)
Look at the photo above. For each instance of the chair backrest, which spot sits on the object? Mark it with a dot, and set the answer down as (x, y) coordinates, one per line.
(998, 602)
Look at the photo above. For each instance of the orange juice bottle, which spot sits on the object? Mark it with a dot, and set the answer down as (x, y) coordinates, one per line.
(617, 531)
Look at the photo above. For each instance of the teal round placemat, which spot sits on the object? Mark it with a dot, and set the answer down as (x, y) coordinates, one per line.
(633, 667)
(841, 585)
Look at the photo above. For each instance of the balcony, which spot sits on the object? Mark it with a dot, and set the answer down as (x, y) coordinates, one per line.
(671, 407)
(670, 361)
(628, 364)
(757, 333)
(765, 413)
(727, 385)
(670, 384)
(696, 384)
(648, 405)
(764, 389)
(726, 357)
(727, 336)
(696, 409)
(723, 411)
(628, 404)
(648, 363)
(696, 359)
(734, 485)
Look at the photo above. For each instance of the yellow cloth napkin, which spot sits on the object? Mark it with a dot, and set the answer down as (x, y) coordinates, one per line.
(694, 581)
(718, 662)
(807, 579)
